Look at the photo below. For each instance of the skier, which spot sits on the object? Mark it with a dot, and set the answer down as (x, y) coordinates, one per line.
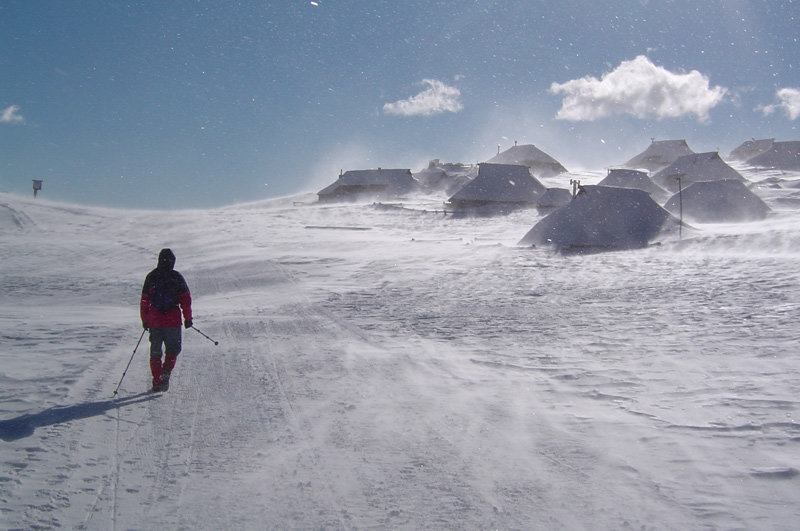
(164, 296)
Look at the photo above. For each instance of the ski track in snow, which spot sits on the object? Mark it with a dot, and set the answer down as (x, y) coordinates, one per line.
(423, 374)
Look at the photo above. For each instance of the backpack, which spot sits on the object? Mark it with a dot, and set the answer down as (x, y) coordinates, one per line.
(164, 296)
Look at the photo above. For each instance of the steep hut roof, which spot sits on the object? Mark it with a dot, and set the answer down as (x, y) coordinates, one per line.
(694, 168)
(725, 201)
(500, 183)
(529, 155)
(659, 153)
(751, 148)
(392, 181)
(782, 156)
(554, 198)
(638, 180)
(601, 217)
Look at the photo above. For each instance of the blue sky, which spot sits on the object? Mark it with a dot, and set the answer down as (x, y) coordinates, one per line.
(192, 104)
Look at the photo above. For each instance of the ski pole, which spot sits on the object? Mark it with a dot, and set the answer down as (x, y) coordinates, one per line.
(205, 336)
(129, 362)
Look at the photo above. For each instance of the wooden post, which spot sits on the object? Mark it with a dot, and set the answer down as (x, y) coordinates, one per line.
(680, 202)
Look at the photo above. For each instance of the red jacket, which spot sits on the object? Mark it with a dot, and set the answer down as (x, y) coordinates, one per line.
(154, 318)
(172, 318)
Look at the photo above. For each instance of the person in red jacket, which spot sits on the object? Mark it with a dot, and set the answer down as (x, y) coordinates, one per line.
(165, 296)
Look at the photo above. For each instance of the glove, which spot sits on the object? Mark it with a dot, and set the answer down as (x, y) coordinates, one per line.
(144, 325)
(188, 324)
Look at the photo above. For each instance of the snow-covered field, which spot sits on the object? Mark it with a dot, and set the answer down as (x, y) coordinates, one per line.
(395, 369)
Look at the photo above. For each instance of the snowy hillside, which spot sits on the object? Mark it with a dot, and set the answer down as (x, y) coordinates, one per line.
(390, 368)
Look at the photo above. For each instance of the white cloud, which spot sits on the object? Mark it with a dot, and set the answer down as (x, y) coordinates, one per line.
(9, 115)
(638, 88)
(435, 99)
(789, 101)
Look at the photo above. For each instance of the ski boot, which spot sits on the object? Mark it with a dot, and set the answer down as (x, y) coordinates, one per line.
(164, 381)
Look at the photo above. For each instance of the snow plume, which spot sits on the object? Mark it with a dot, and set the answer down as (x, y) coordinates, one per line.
(788, 100)
(639, 88)
(338, 158)
(435, 99)
(10, 115)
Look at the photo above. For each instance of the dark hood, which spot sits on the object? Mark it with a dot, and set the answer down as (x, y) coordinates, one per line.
(166, 260)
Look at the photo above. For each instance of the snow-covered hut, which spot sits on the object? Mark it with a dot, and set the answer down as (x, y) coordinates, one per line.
(602, 218)
(552, 199)
(659, 154)
(448, 177)
(540, 163)
(780, 156)
(695, 168)
(718, 202)
(369, 184)
(638, 180)
(498, 188)
(751, 148)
